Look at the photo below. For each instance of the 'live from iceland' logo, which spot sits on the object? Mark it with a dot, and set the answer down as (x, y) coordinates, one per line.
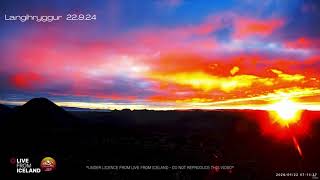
(24, 165)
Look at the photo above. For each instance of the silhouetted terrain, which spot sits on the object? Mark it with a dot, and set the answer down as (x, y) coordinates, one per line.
(77, 139)
(4, 110)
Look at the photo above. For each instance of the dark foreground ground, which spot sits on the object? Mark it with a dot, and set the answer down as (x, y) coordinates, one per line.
(88, 143)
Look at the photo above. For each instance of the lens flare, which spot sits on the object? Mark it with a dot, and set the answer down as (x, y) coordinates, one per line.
(285, 112)
(297, 146)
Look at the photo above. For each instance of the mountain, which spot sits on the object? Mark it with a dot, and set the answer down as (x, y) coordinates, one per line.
(41, 106)
(41, 113)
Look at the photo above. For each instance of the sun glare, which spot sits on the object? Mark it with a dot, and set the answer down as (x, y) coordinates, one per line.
(285, 112)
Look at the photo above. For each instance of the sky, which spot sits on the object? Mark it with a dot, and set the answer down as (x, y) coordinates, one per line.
(162, 54)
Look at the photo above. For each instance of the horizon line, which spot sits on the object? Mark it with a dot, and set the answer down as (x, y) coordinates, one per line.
(122, 106)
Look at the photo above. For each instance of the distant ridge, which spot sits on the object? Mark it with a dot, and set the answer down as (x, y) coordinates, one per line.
(5, 112)
(84, 109)
(4, 108)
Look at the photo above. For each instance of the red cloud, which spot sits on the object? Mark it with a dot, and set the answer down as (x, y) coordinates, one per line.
(245, 27)
(182, 38)
(26, 80)
(303, 43)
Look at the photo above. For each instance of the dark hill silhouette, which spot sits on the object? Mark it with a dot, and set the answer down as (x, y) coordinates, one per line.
(41, 113)
(42, 105)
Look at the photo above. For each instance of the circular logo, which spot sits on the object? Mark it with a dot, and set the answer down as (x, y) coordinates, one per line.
(48, 164)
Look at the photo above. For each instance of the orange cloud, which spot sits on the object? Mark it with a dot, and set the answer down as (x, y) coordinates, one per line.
(203, 80)
(207, 82)
(234, 70)
(288, 77)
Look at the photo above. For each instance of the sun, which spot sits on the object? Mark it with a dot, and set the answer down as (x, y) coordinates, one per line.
(285, 112)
